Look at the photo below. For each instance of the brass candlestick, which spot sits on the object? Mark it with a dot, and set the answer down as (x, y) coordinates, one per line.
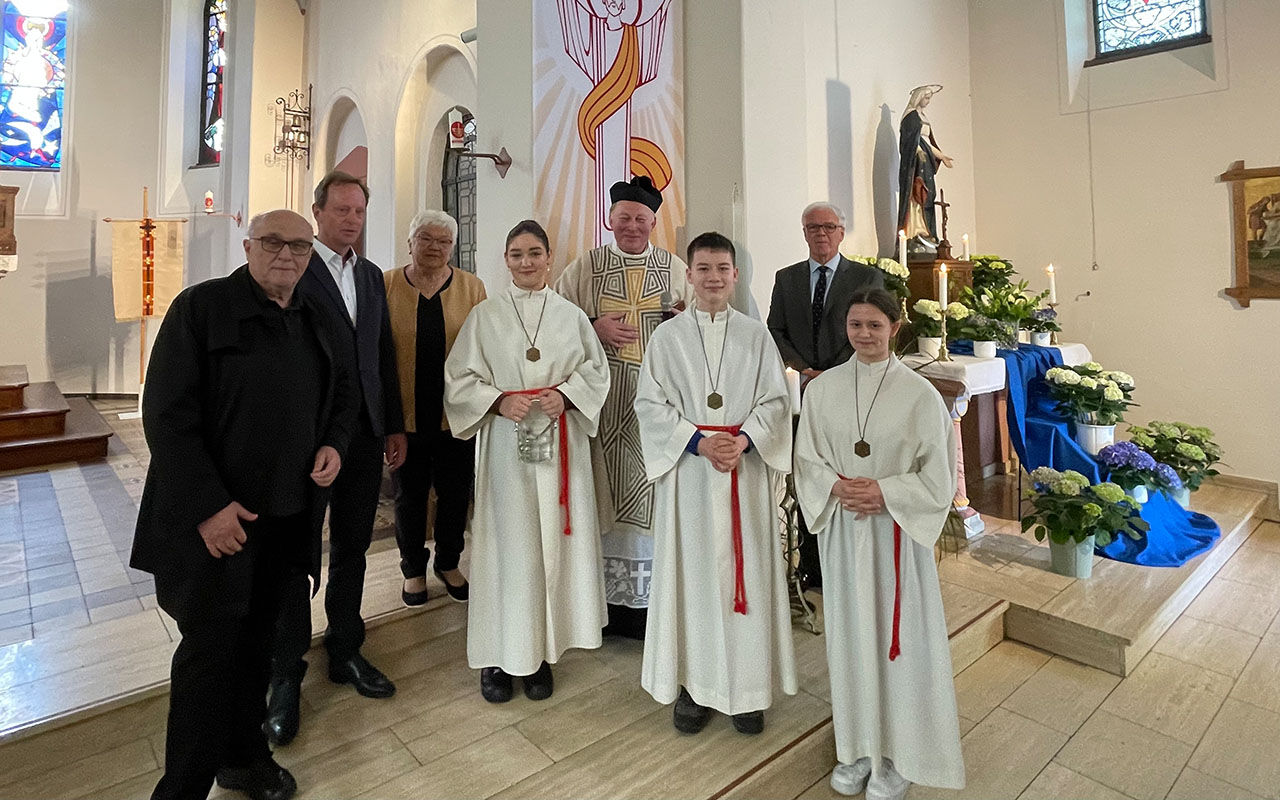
(943, 354)
(1053, 335)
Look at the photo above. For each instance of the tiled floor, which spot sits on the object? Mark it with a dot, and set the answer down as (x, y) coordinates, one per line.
(65, 535)
(1199, 719)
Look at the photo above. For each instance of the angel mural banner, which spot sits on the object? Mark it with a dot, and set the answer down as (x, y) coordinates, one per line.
(608, 104)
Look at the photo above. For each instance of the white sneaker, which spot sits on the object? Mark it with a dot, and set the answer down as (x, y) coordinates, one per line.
(851, 779)
(887, 784)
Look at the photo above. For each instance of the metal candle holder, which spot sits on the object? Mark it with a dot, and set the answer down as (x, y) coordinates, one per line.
(1053, 335)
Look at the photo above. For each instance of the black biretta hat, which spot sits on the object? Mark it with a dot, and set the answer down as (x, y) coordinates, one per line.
(639, 190)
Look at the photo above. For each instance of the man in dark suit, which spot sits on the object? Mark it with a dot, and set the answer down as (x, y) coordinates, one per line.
(248, 413)
(353, 288)
(805, 315)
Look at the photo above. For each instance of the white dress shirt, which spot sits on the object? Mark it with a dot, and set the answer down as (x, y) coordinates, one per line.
(343, 270)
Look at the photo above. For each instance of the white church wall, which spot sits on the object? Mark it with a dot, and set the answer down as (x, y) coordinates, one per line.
(368, 57)
(55, 310)
(1164, 248)
(824, 86)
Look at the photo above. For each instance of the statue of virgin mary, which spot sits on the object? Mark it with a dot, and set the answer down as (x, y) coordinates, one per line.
(920, 159)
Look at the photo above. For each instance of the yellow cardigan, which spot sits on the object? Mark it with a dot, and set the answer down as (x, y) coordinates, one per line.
(463, 293)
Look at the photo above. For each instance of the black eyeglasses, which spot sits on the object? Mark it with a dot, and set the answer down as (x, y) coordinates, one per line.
(826, 227)
(274, 244)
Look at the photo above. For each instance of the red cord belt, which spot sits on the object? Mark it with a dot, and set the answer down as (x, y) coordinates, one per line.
(895, 645)
(564, 455)
(739, 584)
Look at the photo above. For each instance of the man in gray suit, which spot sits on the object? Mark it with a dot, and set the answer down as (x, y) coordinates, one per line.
(804, 314)
(806, 317)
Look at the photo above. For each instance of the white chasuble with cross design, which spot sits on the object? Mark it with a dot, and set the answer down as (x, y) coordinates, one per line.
(729, 658)
(902, 709)
(603, 281)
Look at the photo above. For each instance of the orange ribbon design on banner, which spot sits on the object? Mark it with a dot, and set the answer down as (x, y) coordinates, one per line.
(608, 96)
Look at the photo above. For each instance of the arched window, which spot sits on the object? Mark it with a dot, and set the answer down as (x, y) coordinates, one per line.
(32, 82)
(459, 185)
(1124, 28)
(213, 37)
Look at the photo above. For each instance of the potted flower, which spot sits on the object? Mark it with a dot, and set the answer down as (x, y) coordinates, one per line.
(928, 326)
(1095, 398)
(1042, 324)
(1076, 517)
(1189, 449)
(986, 333)
(895, 275)
(1137, 472)
(991, 271)
(1010, 303)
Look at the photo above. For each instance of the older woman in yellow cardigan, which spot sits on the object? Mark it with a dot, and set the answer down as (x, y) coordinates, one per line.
(429, 299)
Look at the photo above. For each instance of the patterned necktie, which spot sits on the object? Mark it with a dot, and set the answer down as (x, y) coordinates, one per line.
(819, 302)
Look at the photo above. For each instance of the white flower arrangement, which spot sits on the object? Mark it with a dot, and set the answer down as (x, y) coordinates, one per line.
(929, 308)
(1062, 377)
(893, 268)
(957, 311)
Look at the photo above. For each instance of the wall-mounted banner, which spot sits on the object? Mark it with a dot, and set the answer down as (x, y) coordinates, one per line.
(608, 103)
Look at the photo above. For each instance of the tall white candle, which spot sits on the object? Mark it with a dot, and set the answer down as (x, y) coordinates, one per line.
(1053, 284)
(902, 247)
(964, 241)
(942, 287)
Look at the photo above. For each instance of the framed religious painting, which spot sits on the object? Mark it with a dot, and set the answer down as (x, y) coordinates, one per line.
(1255, 230)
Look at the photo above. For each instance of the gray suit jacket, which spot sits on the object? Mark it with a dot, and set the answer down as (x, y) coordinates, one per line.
(791, 314)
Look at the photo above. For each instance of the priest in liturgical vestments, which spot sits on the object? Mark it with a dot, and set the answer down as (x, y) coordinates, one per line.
(715, 422)
(527, 378)
(875, 474)
(626, 288)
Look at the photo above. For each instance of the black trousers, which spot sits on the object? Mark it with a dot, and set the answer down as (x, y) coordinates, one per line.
(353, 504)
(220, 671)
(434, 459)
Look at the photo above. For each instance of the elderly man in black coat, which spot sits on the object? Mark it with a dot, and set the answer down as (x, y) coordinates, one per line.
(248, 411)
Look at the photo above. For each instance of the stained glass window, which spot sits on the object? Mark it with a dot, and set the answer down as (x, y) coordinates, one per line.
(459, 185)
(213, 37)
(32, 81)
(1133, 25)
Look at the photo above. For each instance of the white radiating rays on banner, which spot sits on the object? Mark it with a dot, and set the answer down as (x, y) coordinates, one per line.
(616, 88)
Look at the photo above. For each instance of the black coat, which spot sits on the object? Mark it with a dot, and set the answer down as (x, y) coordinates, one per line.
(373, 349)
(193, 448)
(791, 314)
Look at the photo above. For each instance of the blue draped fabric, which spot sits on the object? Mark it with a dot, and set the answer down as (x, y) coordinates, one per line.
(1042, 438)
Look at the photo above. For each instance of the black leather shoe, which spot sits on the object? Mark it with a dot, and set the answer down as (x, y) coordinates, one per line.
(413, 599)
(540, 684)
(262, 780)
(281, 724)
(459, 594)
(689, 717)
(750, 722)
(358, 672)
(495, 685)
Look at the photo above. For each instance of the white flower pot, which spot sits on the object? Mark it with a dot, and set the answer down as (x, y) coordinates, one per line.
(1073, 559)
(929, 346)
(1182, 497)
(1041, 338)
(1094, 437)
(984, 349)
(1138, 493)
(1024, 337)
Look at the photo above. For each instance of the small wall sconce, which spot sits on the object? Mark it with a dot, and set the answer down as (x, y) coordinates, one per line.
(501, 160)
